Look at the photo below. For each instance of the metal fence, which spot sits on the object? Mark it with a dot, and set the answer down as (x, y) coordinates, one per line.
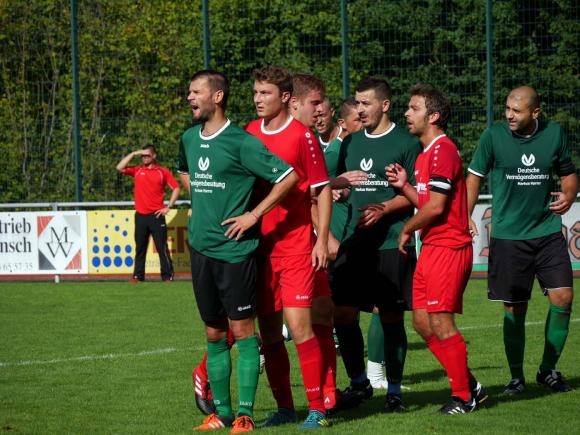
(135, 59)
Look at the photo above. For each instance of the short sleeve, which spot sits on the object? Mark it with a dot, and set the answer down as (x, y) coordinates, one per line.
(564, 165)
(169, 178)
(312, 160)
(130, 171)
(444, 167)
(256, 158)
(483, 157)
(181, 165)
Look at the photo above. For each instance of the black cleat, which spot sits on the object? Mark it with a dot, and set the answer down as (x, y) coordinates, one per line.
(553, 379)
(477, 392)
(203, 393)
(514, 387)
(344, 402)
(364, 390)
(394, 403)
(458, 406)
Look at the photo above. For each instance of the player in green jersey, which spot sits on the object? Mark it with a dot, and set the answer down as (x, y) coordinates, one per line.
(219, 163)
(522, 156)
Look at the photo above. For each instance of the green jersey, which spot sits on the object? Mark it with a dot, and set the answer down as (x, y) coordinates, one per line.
(522, 177)
(371, 153)
(340, 210)
(222, 169)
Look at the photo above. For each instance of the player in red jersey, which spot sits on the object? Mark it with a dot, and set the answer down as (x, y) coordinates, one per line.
(446, 257)
(290, 252)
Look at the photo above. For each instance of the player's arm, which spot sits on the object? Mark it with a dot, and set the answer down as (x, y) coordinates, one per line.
(333, 243)
(240, 224)
(348, 179)
(398, 178)
(567, 196)
(370, 214)
(170, 204)
(124, 162)
(322, 201)
(472, 184)
(185, 181)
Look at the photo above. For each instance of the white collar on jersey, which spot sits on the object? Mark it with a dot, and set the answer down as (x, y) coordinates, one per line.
(325, 144)
(384, 133)
(216, 134)
(433, 141)
(290, 118)
(527, 136)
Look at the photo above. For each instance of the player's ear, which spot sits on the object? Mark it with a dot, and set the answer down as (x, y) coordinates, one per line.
(386, 105)
(285, 97)
(293, 102)
(218, 96)
(434, 117)
(536, 113)
(341, 122)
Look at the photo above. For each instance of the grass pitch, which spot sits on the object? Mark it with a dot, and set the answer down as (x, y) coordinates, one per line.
(92, 358)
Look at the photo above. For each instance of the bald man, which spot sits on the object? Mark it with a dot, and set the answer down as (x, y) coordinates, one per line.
(522, 155)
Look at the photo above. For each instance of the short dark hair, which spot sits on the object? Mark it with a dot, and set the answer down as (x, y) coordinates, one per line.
(346, 106)
(275, 75)
(378, 84)
(304, 83)
(150, 147)
(217, 82)
(435, 102)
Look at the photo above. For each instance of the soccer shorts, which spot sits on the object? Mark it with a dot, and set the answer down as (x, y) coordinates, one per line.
(441, 277)
(223, 289)
(285, 282)
(321, 284)
(514, 263)
(363, 278)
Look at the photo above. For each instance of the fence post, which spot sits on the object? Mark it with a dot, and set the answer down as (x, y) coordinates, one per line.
(344, 39)
(205, 17)
(489, 59)
(76, 101)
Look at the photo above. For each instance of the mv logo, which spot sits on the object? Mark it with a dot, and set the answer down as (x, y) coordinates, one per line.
(59, 242)
(528, 161)
(203, 163)
(365, 164)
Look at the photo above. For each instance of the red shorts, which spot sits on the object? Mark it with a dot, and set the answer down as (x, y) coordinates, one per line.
(441, 277)
(285, 282)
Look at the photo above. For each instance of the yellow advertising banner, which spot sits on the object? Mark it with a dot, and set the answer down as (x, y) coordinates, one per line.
(111, 243)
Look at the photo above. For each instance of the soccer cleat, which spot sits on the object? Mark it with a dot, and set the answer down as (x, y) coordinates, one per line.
(242, 424)
(394, 403)
(280, 417)
(458, 406)
(477, 392)
(213, 422)
(136, 280)
(363, 390)
(344, 402)
(315, 420)
(203, 394)
(553, 379)
(514, 387)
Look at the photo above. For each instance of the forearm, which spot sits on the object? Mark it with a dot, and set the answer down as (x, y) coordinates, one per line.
(397, 203)
(185, 182)
(277, 194)
(472, 184)
(324, 211)
(174, 196)
(426, 215)
(410, 193)
(125, 161)
(569, 185)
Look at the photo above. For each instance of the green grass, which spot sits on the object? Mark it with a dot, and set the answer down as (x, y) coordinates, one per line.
(117, 358)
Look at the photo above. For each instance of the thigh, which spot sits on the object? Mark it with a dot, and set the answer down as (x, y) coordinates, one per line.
(297, 281)
(552, 263)
(511, 270)
(158, 229)
(393, 284)
(205, 290)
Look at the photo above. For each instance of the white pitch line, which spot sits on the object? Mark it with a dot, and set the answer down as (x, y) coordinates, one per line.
(112, 356)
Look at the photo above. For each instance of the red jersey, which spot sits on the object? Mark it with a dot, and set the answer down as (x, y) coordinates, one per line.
(287, 228)
(150, 186)
(438, 168)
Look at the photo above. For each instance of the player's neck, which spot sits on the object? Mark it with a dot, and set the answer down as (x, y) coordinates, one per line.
(276, 122)
(381, 127)
(428, 135)
(329, 136)
(212, 125)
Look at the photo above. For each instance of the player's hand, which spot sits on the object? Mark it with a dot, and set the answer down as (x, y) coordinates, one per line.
(333, 245)
(320, 255)
(404, 238)
(138, 152)
(354, 178)
(397, 175)
(336, 195)
(472, 228)
(162, 212)
(370, 214)
(560, 205)
(240, 224)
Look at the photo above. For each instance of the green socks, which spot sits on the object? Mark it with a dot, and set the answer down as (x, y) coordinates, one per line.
(248, 371)
(514, 340)
(556, 332)
(219, 370)
(395, 351)
(376, 340)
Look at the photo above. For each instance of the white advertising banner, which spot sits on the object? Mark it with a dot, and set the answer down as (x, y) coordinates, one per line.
(43, 243)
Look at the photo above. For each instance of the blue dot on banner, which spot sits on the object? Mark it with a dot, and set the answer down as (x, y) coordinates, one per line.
(118, 261)
(96, 261)
(94, 230)
(112, 215)
(106, 249)
(96, 249)
(117, 249)
(107, 226)
(128, 261)
(107, 261)
(117, 228)
(95, 239)
(128, 249)
(107, 239)
(125, 233)
(126, 219)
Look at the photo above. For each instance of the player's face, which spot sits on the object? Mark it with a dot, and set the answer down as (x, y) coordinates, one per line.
(200, 100)
(370, 109)
(268, 99)
(416, 115)
(308, 109)
(520, 117)
(351, 123)
(324, 122)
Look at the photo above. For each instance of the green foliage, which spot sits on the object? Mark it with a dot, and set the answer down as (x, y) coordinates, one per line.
(136, 58)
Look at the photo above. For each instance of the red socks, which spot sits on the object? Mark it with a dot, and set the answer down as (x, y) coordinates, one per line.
(310, 357)
(326, 340)
(278, 372)
(454, 358)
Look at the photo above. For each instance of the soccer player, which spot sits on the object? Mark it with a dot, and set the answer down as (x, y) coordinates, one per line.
(522, 155)
(289, 253)
(221, 162)
(150, 212)
(369, 270)
(446, 257)
(348, 117)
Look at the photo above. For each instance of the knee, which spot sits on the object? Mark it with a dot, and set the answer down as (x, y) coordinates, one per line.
(242, 328)
(562, 297)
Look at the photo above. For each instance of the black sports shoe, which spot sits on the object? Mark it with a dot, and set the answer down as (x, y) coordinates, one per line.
(458, 406)
(394, 403)
(514, 387)
(344, 402)
(477, 392)
(553, 379)
(364, 391)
